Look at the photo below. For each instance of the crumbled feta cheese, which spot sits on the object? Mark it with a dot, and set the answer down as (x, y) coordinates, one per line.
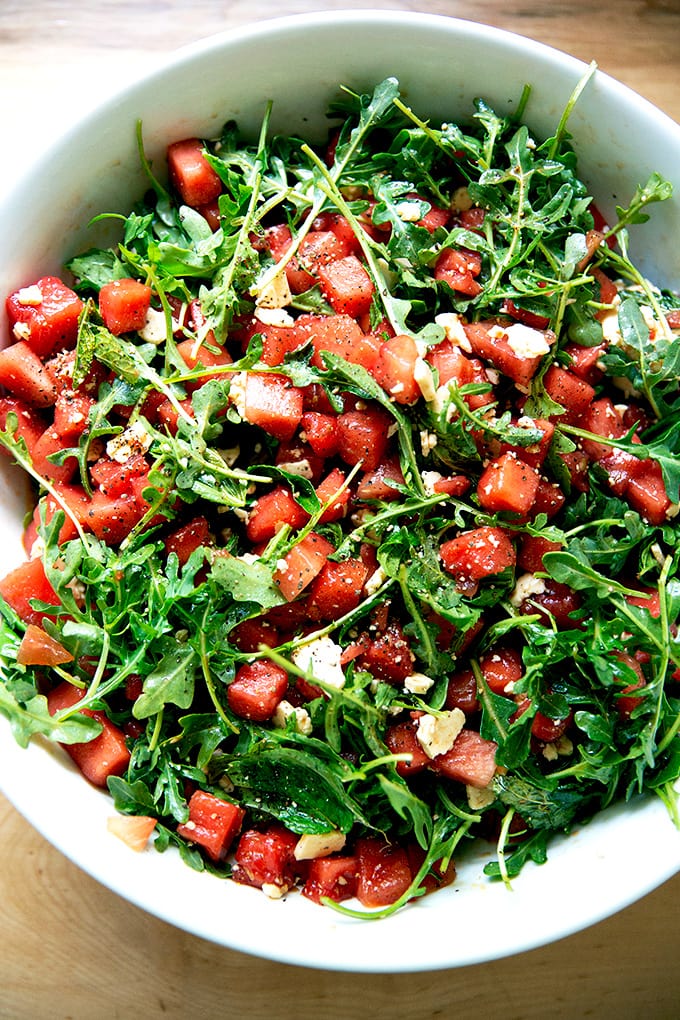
(525, 586)
(248, 557)
(454, 332)
(37, 549)
(430, 479)
(461, 201)
(409, 212)
(526, 342)
(479, 799)
(29, 296)
(313, 845)
(284, 710)
(418, 683)
(321, 657)
(428, 441)
(21, 330)
(422, 373)
(651, 321)
(375, 581)
(154, 330)
(275, 293)
(302, 468)
(274, 891)
(274, 317)
(658, 553)
(436, 734)
(564, 746)
(132, 441)
(549, 752)
(237, 391)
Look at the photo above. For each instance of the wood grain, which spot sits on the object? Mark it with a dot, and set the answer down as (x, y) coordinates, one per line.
(72, 949)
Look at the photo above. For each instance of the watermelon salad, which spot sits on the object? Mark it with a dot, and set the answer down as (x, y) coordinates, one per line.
(356, 479)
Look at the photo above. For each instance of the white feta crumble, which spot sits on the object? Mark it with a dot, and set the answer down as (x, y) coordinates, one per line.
(37, 549)
(454, 332)
(274, 891)
(313, 845)
(302, 468)
(428, 441)
(21, 330)
(132, 441)
(274, 317)
(409, 212)
(375, 581)
(248, 557)
(32, 296)
(526, 342)
(418, 683)
(273, 293)
(283, 712)
(526, 585)
(479, 799)
(321, 658)
(564, 746)
(651, 321)
(430, 479)
(436, 734)
(422, 373)
(461, 200)
(237, 392)
(154, 330)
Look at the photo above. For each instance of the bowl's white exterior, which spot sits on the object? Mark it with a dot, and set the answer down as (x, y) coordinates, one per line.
(443, 64)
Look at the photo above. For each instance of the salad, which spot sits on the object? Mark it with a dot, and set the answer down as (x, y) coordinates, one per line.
(356, 478)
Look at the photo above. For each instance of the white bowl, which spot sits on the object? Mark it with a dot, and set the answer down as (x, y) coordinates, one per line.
(442, 64)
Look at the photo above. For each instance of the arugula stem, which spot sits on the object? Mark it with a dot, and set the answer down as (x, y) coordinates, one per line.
(207, 676)
(500, 848)
(17, 448)
(573, 99)
(484, 693)
(333, 193)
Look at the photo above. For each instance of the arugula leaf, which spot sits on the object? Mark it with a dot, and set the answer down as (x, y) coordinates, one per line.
(33, 717)
(172, 680)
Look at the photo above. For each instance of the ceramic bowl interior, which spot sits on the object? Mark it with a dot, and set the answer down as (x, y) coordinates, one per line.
(442, 65)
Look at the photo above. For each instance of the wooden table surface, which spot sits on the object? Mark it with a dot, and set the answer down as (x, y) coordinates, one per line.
(72, 949)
